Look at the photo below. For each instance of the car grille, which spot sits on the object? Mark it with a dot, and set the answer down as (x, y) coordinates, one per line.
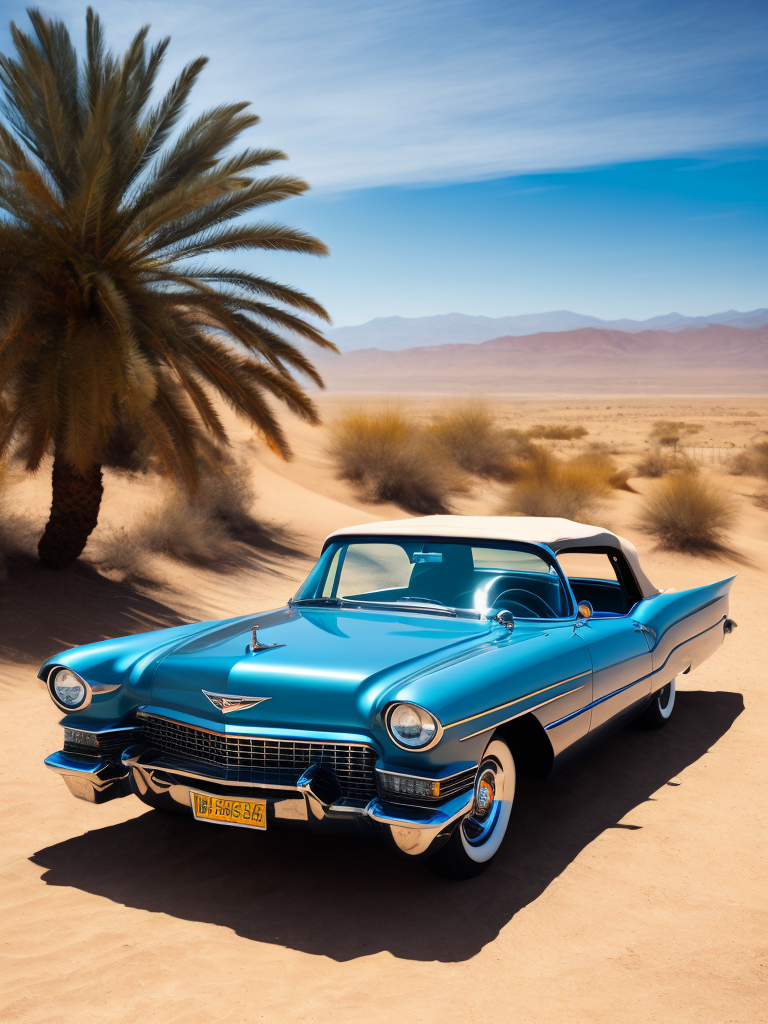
(264, 761)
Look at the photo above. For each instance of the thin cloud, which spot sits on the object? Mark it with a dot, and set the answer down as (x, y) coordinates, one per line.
(363, 94)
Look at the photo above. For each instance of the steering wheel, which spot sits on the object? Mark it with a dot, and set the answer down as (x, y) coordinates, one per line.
(540, 609)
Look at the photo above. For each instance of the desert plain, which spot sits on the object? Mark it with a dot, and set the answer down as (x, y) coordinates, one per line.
(630, 888)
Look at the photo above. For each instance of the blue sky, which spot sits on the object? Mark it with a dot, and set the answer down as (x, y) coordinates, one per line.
(499, 157)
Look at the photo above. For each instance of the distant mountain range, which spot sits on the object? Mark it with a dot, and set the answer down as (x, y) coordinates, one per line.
(394, 333)
(713, 360)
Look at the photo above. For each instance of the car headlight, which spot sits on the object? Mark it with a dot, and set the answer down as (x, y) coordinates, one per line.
(412, 727)
(68, 690)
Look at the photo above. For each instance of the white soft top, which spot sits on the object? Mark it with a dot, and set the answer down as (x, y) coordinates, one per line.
(557, 534)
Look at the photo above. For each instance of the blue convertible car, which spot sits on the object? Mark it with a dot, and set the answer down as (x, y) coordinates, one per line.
(420, 667)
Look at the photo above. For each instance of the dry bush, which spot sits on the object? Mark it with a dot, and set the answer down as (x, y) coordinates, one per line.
(546, 486)
(752, 462)
(668, 433)
(390, 459)
(599, 463)
(556, 432)
(688, 513)
(202, 529)
(468, 435)
(654, 463)
(761, 500)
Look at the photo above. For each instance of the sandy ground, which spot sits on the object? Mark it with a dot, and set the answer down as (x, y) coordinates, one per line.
(631, 888)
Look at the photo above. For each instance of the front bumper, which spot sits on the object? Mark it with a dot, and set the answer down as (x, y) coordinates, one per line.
(314, 802)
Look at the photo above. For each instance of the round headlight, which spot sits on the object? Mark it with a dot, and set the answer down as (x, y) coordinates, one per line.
(68, 690)
(411, 726)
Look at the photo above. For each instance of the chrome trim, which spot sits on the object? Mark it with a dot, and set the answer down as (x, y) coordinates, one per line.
(102, 730)
(648, 675)
(525, 712)
(293, 737)
(134, 761)
(387, 714)
(594, 703)
(414, 828)
(517, 700)
(436, 777)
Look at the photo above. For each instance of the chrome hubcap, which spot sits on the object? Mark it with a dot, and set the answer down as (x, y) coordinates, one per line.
(481, 820)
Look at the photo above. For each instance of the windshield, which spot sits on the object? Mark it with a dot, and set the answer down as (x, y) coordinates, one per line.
(472, 576)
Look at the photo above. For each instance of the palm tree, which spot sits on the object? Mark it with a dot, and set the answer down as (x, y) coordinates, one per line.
(114, 321)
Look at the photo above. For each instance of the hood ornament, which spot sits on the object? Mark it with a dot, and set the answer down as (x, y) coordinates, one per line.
(255, 646)
(228, 702)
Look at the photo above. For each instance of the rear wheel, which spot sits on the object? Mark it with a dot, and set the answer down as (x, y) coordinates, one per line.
(478, 836)
(659, 711)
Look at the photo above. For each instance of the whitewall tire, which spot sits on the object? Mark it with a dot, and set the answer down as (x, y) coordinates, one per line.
(479, 834)
(659, 711)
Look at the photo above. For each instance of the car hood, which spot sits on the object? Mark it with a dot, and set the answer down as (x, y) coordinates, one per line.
(333, 670)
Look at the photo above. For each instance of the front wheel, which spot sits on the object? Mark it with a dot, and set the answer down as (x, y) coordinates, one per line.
(479, 834)
(659, 711)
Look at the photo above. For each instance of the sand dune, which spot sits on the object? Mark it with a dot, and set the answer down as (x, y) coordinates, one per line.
(630, 889)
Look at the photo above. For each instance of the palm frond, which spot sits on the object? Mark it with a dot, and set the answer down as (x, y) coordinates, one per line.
(110, 321)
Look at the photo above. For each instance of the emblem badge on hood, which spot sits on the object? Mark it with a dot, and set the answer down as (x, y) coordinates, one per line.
(227, 702)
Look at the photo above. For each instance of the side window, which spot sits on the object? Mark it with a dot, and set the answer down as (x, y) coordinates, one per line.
(588, 565)
(597, 577)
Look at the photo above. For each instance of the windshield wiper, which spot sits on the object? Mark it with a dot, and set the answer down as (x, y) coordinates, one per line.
(424, 605)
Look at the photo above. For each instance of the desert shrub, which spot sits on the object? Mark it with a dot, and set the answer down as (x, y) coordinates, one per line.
(547, 486)
(556, 432)
(752, 462)
(688, 513)
(654, 463)
(761, 500)
(391, 459)
(469, 435)
(598, 463)
(668, 433)
(202, 529)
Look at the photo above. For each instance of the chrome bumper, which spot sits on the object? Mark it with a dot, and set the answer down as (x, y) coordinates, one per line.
(313, 801)
(94, 779)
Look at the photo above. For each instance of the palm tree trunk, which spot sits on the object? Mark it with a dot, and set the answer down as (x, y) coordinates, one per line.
(74, 514)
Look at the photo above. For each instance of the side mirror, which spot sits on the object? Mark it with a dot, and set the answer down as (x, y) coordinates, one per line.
(505, 618)
(585, 610)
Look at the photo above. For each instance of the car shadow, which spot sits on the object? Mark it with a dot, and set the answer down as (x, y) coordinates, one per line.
(347, 898)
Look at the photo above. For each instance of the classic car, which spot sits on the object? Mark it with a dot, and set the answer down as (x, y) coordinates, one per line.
(422, 664)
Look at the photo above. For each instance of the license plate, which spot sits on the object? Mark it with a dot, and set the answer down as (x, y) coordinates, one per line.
(230, 811)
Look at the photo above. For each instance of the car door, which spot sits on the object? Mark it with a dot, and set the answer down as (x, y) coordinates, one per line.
(619, 646)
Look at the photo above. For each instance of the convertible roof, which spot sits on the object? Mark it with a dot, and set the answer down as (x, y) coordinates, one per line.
(558, 534)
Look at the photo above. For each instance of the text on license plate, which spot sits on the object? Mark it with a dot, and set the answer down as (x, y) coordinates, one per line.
(230, 811)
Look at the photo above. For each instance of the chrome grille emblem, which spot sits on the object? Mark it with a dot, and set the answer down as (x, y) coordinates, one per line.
(227, 702)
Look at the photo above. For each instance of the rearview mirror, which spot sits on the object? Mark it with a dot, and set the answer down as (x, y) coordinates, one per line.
(585, 610)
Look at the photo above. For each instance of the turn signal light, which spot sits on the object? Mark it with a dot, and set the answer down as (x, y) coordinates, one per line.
(406, 785)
